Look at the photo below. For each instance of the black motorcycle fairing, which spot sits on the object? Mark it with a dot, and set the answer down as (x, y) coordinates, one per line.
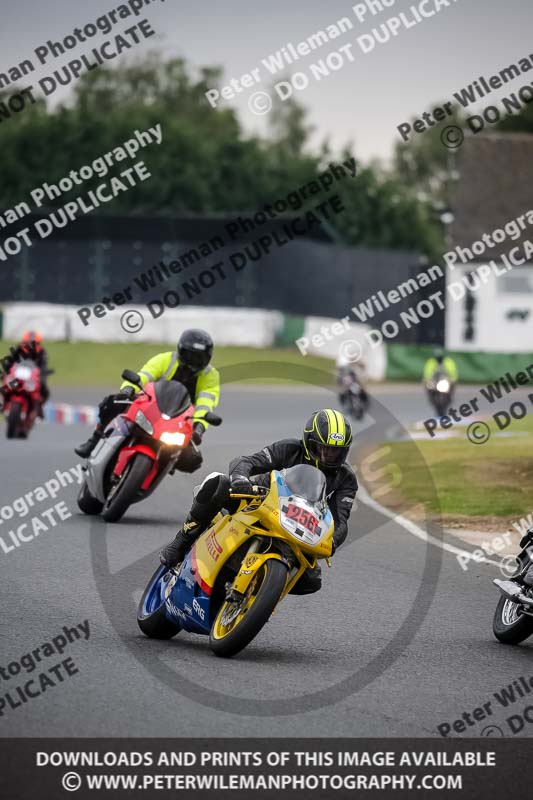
(172, 397)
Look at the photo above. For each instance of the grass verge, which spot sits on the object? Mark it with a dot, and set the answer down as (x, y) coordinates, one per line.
(100, 364)
(477, 486)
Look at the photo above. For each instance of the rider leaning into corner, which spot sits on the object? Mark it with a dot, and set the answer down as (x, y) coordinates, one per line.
(31, 347)
(355, 371)
(324, 444)
(188, 364)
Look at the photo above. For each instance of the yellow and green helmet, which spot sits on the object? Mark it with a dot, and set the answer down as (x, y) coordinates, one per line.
(327, 438)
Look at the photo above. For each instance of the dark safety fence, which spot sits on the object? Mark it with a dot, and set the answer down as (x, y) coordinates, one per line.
(218, 261)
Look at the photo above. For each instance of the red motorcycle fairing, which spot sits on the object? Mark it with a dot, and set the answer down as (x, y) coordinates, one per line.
(18, 398)
(22, 385)
(127, 454)
(161, 424)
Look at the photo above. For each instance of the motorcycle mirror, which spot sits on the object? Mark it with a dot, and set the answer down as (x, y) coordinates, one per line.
(132, 377)
(213, 419)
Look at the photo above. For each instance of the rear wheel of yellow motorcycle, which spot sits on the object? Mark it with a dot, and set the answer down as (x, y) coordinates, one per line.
(236, 624)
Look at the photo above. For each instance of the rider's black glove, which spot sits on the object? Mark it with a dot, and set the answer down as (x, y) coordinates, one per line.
(197, 433)
(240, 484)
(127, 393)
(333, 547)
(191, 460)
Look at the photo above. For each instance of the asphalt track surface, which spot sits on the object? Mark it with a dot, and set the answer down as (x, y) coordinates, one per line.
(397, 642)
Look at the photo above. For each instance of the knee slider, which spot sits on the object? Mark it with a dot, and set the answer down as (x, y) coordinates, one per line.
(212, 495)
(104, 405)
(210, 487)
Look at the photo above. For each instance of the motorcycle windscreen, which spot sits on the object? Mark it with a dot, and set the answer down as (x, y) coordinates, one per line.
(302, 509)
(305, 481)
(23, 371)
(25, 365)
(172, 397)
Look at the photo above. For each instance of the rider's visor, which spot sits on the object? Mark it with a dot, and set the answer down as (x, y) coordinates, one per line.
(196, 360)
(328, 455)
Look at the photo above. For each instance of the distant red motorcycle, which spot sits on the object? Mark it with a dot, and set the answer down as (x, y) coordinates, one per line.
(139, 448)
(22, 398)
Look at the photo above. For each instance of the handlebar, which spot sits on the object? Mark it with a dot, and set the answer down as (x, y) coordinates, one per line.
(259, 491)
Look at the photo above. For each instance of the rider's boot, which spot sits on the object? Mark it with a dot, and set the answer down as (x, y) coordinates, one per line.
(176, 550)
(84, 450)
(209, 499)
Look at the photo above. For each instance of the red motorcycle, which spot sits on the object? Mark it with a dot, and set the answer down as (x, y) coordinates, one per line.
(22, 398)
(139, 448)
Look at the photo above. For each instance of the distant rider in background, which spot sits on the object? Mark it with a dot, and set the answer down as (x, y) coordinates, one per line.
(189, 365)
(31, 347)
(351, 372)
(440, 362)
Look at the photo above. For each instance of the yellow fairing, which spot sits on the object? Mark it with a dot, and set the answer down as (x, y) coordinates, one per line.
(250, 567)
(215, 546)
(254, 519)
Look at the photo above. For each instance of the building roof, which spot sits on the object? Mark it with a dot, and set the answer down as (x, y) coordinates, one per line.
(495, 185)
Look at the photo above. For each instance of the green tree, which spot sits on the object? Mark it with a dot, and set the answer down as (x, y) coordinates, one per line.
(425, 164)
(206, 163)
(518, 123)
(380, 212)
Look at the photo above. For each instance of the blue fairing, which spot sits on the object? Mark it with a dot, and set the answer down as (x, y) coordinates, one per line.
(187, 605)
(155, 593)
(283, 489)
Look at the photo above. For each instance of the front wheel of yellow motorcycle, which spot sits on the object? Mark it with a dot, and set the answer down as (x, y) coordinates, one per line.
(237, 623)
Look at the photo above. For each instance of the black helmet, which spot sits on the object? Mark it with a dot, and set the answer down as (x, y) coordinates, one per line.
(438, 354)
(195, 349)
(327, 438)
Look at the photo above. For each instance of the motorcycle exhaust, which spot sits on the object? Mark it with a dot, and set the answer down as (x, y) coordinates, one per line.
(513, 592)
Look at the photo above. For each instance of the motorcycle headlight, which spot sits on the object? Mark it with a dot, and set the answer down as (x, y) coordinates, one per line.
(174, 438)
(144, 423)
(23, 373)
(443, 386)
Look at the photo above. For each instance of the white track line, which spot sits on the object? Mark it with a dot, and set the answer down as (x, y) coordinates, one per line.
(415, 529)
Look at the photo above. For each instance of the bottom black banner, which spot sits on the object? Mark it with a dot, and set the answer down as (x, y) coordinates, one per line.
(262, 768)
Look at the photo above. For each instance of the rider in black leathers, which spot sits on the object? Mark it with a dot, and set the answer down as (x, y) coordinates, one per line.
(325, 443)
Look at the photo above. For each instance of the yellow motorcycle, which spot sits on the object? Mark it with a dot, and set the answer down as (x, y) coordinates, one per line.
(237, 572)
